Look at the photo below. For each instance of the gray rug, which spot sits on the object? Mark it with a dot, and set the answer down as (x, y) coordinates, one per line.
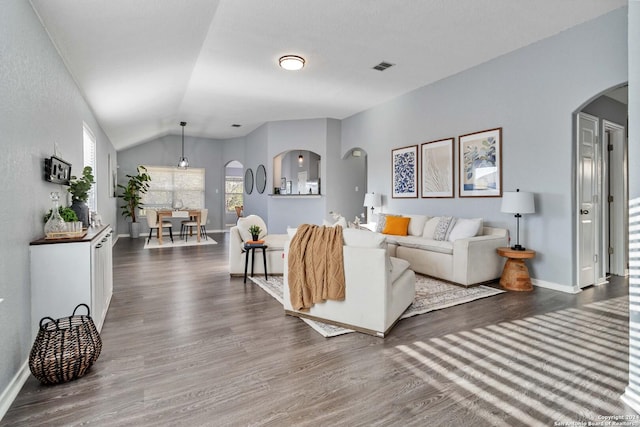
(431, 294)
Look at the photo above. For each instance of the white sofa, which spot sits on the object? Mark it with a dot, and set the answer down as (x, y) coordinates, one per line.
(275, 247)
(466, 255)
(378, 288)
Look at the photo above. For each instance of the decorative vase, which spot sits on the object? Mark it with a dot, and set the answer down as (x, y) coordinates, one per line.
(82, 211)
(134, 230)
(55, 223)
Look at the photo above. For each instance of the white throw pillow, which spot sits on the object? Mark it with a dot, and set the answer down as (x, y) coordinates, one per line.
(341, 222)
(416, 225)
(465, 228)
(245, 222)
(291, 231)
(430, 227)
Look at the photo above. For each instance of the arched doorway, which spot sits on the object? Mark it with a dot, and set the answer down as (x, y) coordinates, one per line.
(601, 182)
(233, 191)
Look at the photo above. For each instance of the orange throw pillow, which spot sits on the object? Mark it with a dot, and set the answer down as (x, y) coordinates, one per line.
(396, 225)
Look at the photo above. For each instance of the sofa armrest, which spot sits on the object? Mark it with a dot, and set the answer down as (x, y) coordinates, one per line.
(475, 259)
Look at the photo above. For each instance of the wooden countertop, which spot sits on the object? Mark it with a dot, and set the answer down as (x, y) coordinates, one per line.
(92, 233)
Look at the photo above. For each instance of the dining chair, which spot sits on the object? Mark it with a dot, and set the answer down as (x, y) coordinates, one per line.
(189, 225)
(152, 222)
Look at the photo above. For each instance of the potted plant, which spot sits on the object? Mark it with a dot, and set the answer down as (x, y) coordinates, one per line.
(131, 196)
(65, 212)
(79, 189)
(255, 232)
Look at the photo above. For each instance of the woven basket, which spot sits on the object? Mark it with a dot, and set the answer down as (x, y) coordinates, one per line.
(65, 349)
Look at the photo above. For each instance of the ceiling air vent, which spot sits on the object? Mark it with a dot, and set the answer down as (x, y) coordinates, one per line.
(383, 66)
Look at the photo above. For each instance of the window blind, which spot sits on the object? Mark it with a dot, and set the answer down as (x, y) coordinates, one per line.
(172, 187)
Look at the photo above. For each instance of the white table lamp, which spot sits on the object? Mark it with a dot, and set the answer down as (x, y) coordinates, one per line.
(518, 203)
(372, 200)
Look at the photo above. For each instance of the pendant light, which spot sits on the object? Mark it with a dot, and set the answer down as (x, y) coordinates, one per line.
(183, 163)
(300, 159)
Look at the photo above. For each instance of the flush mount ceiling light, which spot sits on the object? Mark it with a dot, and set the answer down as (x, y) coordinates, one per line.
(183, 163)
(291, 62)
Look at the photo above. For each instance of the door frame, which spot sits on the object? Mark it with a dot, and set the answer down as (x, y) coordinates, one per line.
(618, 229)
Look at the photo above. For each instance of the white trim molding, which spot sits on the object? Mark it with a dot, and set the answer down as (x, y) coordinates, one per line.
(15, 385)
(556, 286)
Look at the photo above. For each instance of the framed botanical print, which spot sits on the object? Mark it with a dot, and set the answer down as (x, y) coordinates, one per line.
(480, 163)
(404, 169)
(436, 170)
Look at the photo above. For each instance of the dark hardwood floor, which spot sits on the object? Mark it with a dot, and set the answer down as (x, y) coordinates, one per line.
(185, 344)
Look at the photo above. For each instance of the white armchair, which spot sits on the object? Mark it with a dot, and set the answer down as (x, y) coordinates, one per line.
(240, 234)
(378, 288)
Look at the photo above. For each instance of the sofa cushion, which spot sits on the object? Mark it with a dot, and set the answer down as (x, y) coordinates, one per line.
(442, 246)
(398, 266)
(444, 227)
(275, 242)
(245, 222)
(397, 225)
(465, 228)
(416, 225)
(363, 238)
(382, 221)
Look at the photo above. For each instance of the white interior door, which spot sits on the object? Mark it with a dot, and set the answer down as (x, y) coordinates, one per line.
(587, 203)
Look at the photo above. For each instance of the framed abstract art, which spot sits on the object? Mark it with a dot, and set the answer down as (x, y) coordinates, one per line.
(480, 163)
(436, 173)
(404, 169)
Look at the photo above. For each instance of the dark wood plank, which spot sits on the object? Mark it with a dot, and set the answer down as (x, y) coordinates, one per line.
(185, 344)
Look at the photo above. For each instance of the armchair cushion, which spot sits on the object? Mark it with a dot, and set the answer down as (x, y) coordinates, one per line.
(245, 222)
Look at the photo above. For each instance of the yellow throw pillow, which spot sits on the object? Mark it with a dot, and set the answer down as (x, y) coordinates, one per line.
(396, 225)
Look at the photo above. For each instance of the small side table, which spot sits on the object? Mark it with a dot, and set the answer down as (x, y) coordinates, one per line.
(515, 276)
(252, 249)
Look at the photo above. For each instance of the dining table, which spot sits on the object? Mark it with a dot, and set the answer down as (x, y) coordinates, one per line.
(178, 213)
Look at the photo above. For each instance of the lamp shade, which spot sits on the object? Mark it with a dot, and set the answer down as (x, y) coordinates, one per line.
(517, 202)
(372, 200)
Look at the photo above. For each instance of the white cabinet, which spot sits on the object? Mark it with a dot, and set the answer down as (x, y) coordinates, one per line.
(65, 273)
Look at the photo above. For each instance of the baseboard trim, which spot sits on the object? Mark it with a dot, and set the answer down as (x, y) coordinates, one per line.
(555, 286)
(11, 392)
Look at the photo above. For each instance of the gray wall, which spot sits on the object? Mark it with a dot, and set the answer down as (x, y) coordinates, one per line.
(609, 109)
(210, 154)
(41, 106)
(532, 94)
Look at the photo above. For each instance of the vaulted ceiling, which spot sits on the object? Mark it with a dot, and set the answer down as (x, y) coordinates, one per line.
(146, 65)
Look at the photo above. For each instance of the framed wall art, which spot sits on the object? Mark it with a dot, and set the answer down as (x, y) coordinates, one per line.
(404, 169)
(436, 170)
(480, 166)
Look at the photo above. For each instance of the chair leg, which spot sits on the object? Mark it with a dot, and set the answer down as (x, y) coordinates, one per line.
(203, 232)
(149, 238)
(171, 233)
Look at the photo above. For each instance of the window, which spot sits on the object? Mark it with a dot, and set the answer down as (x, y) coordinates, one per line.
(172, 187)
(89, 150)
(233, 186)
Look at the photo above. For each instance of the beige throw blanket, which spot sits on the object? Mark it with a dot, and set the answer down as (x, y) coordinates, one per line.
(316, 268)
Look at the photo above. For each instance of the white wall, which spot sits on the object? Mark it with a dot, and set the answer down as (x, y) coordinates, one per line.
(532, 94)
(41, 106)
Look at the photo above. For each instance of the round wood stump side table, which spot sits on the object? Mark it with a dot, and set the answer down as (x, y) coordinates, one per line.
(515, 275)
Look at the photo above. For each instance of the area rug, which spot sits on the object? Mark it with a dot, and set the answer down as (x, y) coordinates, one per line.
(431, 294)
(177, 242)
